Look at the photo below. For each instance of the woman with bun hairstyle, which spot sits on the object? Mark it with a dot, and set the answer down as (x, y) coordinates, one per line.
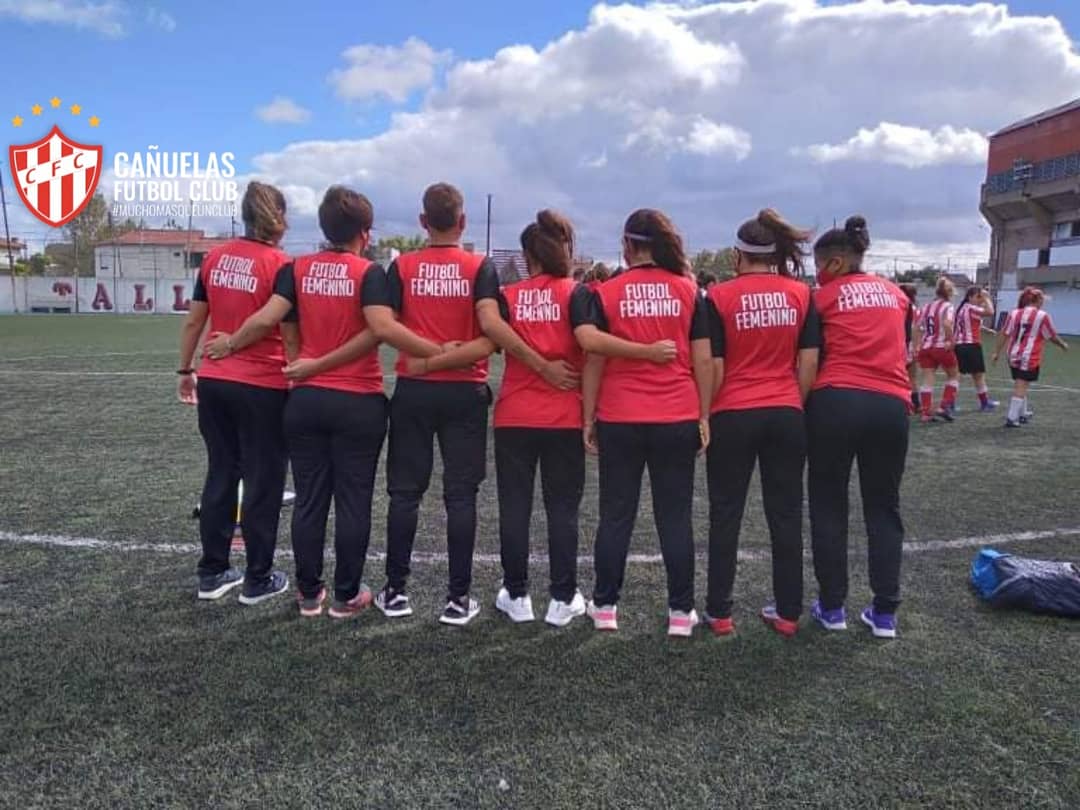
(644, 414)
(969, 351)
(240, 398)
(335, 419)
(765, 356)
(1025, 330)
(858, 409)
(936, 326)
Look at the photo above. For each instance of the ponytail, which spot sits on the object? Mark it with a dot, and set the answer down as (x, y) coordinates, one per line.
(549, 242)
(652, 229)
(770, 230)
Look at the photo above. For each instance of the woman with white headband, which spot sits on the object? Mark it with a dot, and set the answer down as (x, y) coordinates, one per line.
(764, 344)
(645, 414)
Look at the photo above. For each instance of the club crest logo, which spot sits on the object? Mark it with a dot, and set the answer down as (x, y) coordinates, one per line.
(55, 176)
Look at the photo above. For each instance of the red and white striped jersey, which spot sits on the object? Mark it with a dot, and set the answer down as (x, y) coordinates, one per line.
(969, 324)
(1027, 330)
(933, 318)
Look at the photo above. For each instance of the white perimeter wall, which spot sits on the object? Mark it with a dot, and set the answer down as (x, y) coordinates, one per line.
(137, 296)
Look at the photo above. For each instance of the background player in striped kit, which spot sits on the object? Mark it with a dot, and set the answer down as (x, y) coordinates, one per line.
(335, 418)
(645, 414)
(969, 352)
(1025, 330)
(912, 292)
(426, 302)
(765, 352)
(858, 410)
(935, 328)
(241, 399)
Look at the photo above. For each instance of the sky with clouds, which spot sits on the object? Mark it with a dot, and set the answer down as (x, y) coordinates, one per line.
(708, 110)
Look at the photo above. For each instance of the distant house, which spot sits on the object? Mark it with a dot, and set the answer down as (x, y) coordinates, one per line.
(16, 246)
(153, 253)
(511, 266)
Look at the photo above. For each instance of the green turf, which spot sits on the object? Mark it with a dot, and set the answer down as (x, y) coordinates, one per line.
(119, 690)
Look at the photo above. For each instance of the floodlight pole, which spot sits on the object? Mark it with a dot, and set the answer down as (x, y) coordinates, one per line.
(7, 236)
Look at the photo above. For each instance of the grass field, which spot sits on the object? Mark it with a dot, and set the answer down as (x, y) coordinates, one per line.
(121, 691)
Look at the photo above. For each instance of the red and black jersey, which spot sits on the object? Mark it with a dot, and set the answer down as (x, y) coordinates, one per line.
(325, 291)
(646, 304)
(864, 340)
(539, 311)
(434, 292)
(759, 323)
(235, 281)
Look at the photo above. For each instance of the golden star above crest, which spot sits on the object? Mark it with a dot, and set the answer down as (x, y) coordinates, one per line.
(36, 109)
(75, 109)
(54, 102)
(94, 120)
(16, 121)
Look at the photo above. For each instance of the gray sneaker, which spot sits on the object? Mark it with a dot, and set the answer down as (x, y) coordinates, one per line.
(276, 583)
(215, 586)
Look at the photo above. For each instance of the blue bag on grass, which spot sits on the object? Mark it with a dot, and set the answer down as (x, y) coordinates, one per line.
(1041, 586)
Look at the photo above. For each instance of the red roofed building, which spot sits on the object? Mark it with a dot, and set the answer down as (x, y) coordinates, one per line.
(153, 253)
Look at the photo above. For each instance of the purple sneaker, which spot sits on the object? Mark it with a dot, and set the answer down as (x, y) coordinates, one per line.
(835, 619)
(989, 405)
(883, 625)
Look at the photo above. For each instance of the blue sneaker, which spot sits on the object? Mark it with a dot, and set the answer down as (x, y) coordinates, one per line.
(256, 593)
(883, 625)
(835, 619)
(989, 405)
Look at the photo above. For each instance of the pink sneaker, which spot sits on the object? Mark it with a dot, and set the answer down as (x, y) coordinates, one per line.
(605, 617)
(311, 606)
(346, 610)
(681, 624)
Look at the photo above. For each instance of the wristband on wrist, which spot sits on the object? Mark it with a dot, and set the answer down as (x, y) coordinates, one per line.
(185, 372)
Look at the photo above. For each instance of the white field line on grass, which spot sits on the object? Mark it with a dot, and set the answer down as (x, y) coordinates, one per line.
(84, 356)
(917, 547)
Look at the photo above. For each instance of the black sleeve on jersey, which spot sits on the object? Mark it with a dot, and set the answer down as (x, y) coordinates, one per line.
(810, 337)
(716, 331)
(199, 293)
(382, 288)
(487, 281)
(585, 308)
(699, 323)
(909, 323)
(504, 307)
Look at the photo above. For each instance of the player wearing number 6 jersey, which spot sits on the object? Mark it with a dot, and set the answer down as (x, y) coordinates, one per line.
(936, 325)
(1026, 329)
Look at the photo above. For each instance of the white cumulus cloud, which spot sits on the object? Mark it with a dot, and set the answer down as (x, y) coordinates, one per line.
(375, 71)
(283, 110)
(701, 109)
(107, 18)
(911, 147)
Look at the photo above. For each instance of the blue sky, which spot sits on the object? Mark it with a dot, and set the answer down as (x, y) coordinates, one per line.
(710, 111)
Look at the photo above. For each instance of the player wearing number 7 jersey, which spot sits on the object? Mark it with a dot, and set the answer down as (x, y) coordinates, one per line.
(1026, 329)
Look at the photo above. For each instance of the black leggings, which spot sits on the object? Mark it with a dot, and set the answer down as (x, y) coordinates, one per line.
(668, 450)
(241, 426)
(560, 455)
(334, 438)
(844, 425)
(775, 438)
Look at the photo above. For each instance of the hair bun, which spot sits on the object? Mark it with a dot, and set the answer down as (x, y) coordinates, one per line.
(554, 225)
(857, 231)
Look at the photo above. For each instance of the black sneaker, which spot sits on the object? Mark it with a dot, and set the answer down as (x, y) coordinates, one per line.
(1009, 423)
(216, 586)
(459, 612)
(277, 583)
(393, 604)
(945, 415)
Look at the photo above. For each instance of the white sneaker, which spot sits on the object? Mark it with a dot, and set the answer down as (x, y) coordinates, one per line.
(519, 610)
(560, 614)
(681, 624)
(605, 617)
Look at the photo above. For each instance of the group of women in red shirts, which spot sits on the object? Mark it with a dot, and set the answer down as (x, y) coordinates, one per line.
(644, 369)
